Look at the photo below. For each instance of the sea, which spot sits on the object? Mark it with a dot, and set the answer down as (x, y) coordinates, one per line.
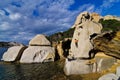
(37, 71)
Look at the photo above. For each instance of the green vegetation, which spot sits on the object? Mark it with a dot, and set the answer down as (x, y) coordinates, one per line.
(110, 25)
(61, 35)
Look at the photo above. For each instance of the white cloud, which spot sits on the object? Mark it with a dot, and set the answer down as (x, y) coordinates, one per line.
(15, 16)
(52, 16)
(108, 3)
(2, 12)
(5, 26)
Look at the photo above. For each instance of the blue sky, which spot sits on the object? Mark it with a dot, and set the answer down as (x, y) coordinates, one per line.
(21, 20)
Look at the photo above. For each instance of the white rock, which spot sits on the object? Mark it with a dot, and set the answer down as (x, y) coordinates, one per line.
(77, 67)
(81, 44)
(118, 71)
(109, 76)
(35, 54)
(13, 53)
(39, 40)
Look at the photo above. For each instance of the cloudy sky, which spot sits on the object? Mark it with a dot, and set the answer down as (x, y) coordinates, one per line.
(21, 20)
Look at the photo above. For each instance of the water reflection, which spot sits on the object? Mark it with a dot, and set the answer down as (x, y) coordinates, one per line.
(44, 71)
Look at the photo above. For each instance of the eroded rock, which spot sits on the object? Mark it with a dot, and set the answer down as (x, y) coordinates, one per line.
(13, 53)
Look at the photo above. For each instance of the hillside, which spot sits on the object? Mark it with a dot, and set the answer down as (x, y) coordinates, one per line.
(108, 25)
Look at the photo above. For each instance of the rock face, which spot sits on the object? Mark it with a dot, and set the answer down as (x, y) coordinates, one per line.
(38, 51)
(118, 71)
(84, 16)
(13, 53)
(108, 17)
(109, 76)
(95, 17)
(81, 44)
(108, 43)
(35, 54)
(39, 40)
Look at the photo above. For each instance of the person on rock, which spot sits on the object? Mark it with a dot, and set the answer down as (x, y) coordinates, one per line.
(76, 42)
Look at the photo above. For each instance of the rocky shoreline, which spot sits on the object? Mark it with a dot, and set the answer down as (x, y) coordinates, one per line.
(89, 51)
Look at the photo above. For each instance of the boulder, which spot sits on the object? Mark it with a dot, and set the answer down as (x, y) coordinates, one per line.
(109, 76)
(118, 71)
(78, 67)
(36, 54)
(103, 59)
(82, 46)
(13, 53)
(39, 40)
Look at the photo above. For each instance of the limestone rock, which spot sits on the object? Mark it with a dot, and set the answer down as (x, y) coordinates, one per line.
(36, 54)
(109, 76)
(60, 50)
(82, 35)
(81, 45)
(77, 67)
(118, 71)
(96, 17)
(13, 53)
(39, 40)
(109, 43)
(103, 59)
(108, 17)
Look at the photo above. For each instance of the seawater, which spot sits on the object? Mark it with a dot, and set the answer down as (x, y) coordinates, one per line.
(2, 50)
(38, 71)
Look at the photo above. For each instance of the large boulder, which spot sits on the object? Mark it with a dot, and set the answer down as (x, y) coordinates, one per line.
(39, 40)
(36, 54)
(82, 46)
(78, 67)
(13, 53)
(109, 76)
(103, 59)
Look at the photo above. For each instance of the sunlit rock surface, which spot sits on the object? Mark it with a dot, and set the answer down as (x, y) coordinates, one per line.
(35, 54)
(38, 51)
(39, 40)
(13, 53)
(81, 45)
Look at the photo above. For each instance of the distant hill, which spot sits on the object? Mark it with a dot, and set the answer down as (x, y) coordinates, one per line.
(9, 44)
(61, 35)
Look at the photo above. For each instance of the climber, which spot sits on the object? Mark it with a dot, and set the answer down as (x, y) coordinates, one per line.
(76, 42)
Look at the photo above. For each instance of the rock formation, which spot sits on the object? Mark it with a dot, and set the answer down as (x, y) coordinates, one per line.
(39, 40)
(109, 43)
(81, 45)
(13, 53)
(108, 17)
(39, 50)
(95, 17)
(84, 16)
(109, 76)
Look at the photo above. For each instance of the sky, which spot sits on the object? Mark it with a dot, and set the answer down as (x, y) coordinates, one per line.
(21, 20)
